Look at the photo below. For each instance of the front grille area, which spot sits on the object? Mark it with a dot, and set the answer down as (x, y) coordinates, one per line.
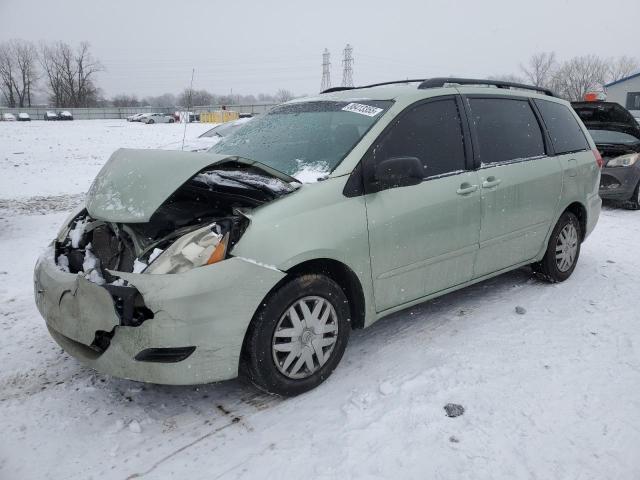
(608, 182)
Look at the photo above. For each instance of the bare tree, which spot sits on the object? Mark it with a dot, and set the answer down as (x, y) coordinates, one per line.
(283, 95)
(26, 56)
(7, 74)
(190, 98)
(579, 75)
(124, 100)
(507, 78)
(540, 69)
(18, 72)
(164, 100)
(70, 74)
(622, 67)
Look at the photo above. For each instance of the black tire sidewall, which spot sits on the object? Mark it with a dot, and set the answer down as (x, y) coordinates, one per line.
(550, 266)
(257, 354)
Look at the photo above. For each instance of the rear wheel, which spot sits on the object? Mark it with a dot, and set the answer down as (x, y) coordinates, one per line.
(298, 336)
(634, 202)
(171, 120)
(150, 122)
(563, 250)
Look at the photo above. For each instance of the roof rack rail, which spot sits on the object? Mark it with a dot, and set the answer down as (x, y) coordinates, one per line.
(442, 81)
(340, 89)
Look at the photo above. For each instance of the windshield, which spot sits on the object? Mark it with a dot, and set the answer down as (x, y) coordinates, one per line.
(223, 130)
(305, 140)
(610, 136)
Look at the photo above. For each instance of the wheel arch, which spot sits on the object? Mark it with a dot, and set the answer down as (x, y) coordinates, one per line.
(580, 211)
(343, 276)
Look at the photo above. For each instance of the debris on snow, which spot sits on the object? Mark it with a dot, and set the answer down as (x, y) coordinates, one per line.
(453, 410)
(520, 310)
(454, 439)
(134, 426)
(386, 388)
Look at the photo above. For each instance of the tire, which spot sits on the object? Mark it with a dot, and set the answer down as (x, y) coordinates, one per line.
(150, 122)
(171, 120)
(566, 234)
(267, 341)
(634, 202)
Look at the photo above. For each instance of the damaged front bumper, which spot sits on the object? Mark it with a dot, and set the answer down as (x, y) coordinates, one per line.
(619, 183)
(190, 332)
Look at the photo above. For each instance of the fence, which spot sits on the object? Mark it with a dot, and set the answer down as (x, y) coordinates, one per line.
(37, 113)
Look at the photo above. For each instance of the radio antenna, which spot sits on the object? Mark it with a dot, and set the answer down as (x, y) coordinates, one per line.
(184, 134)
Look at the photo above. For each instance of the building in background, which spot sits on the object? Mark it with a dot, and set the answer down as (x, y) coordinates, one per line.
(625, 91)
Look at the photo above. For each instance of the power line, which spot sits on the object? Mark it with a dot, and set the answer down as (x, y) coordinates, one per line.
(326, 72)
(347, 66)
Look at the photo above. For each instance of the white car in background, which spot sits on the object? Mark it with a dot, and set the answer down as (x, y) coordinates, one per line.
(136, 117)
(24, 117)
(157, 118)
(209, 138)
(50, 116)
(8, 117)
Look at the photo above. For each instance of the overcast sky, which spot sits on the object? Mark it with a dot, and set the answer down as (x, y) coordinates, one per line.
(149, 47)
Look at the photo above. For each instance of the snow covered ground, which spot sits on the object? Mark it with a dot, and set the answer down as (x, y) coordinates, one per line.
(553, 393)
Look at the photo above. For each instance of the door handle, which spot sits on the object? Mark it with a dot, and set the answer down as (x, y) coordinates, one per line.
(466, 188)
(491, 182)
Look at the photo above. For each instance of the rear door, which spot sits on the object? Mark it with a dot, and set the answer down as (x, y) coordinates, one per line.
(521, 182)
(423, 238)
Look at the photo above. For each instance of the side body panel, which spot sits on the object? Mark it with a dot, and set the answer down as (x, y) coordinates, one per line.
(517, 213)
(424, 238)
(316, 222)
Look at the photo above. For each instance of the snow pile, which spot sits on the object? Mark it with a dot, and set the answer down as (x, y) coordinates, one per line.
(91, 267)
(311, 173)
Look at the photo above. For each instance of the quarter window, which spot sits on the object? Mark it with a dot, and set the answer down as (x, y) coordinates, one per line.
(507, 130)
(431, 132)
(564, 129)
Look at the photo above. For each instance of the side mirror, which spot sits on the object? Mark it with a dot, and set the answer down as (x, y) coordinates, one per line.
(395, 172)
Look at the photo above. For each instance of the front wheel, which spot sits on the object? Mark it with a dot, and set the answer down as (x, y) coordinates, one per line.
(149, 122)
(563, 250)
(171, 120)
(298, 336)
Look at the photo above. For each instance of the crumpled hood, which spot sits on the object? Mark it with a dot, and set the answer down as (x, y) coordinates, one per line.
(133, 184)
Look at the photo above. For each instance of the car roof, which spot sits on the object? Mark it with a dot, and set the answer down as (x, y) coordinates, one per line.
(413, 90)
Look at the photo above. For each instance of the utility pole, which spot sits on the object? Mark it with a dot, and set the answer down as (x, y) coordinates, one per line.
(347, 66)
(326, 72)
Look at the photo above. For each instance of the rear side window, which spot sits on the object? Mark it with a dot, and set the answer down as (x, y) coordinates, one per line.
(431, 132)
(507, 129)
(566, 134)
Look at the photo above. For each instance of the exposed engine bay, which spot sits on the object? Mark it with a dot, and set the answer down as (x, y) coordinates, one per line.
(198, 224)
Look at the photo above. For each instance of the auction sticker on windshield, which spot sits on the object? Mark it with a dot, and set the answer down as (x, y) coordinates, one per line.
(367, 110)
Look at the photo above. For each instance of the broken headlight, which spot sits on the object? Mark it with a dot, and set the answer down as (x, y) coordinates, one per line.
(624, 160)
(204, 246)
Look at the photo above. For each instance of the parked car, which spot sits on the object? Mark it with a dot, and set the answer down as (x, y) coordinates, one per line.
(24, 117)
(209, 138)
(135, 117)
(8, 117)
(617, 137)
(49, 116)
(157, 118)
(213, 264)
(65, 115)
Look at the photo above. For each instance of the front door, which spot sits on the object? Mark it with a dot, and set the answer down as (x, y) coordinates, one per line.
(423, 238)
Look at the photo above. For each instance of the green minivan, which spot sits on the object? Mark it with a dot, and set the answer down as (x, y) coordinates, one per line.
(323, 215)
